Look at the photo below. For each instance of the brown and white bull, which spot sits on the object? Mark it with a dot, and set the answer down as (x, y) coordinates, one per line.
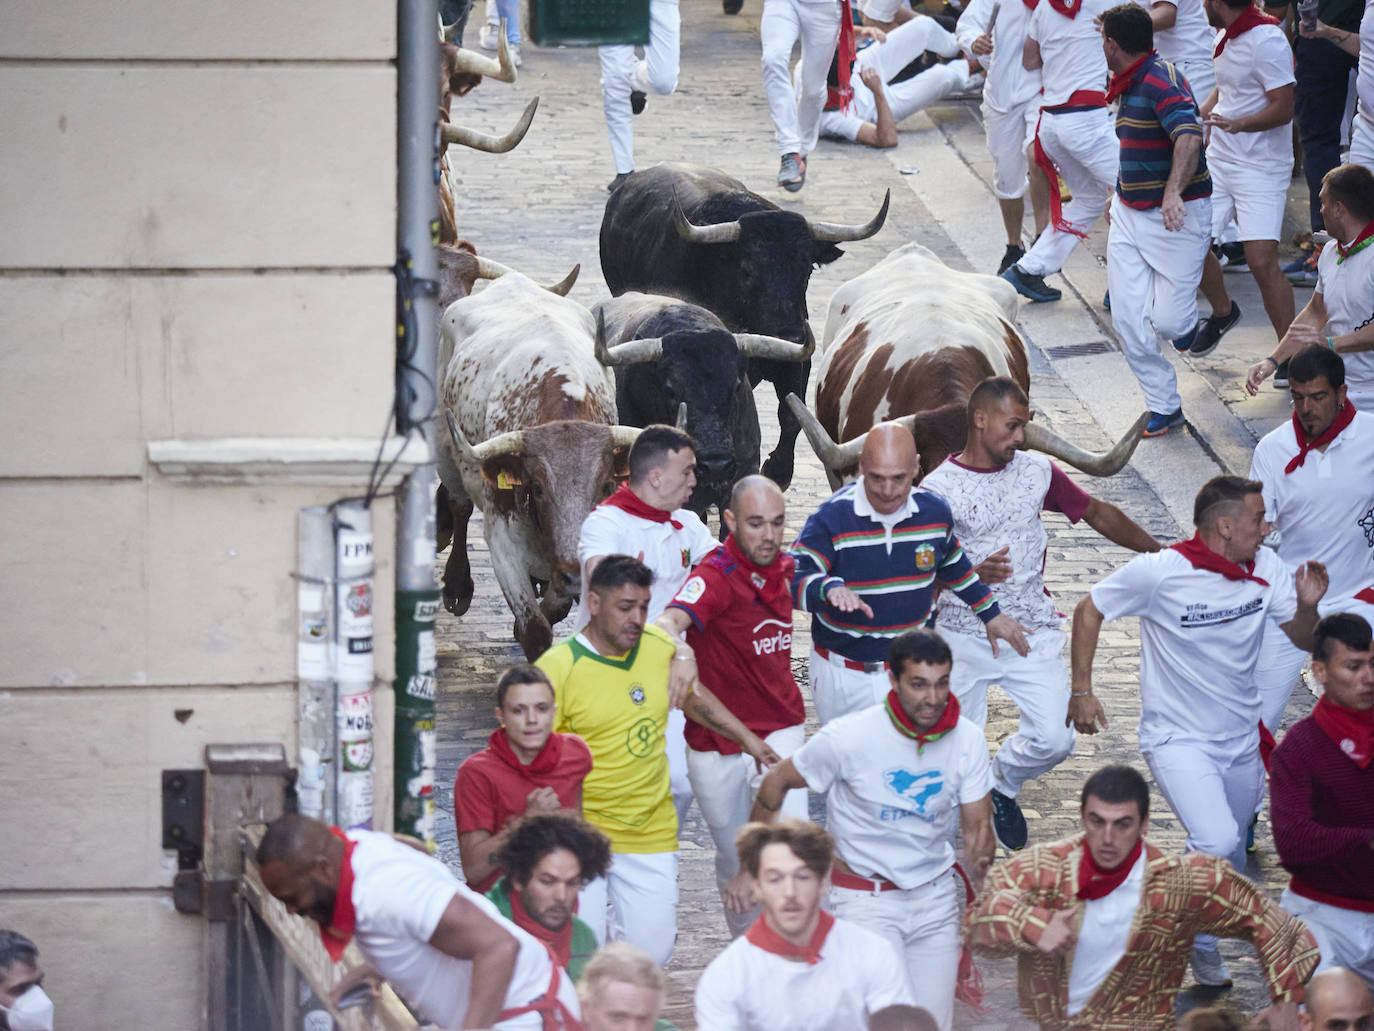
(908, 341)
(528, 434)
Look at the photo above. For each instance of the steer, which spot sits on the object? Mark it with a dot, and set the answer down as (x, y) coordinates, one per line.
(528, 434)
(667, 353)
(698, 234)
(909, 340)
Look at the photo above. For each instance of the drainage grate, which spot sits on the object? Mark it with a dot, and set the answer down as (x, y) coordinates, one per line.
(1077, 350)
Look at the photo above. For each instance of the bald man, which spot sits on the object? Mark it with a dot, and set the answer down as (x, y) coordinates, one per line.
(1337, 1000)
(868, 563)
(737, 612)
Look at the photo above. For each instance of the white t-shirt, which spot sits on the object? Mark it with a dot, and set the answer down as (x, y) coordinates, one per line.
(1070, 49)
(1252, 64)
(997, 508)
(1347, 290)
(1102, 938)
(1324, 509)
(1008, 85)
(1191, 38)
(669, 552)
(399, 895)
(1199, 639)
(893, 810)
(1364, 71)
(747, 988)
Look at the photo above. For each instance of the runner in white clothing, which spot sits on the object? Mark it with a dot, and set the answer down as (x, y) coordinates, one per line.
(1202, 605)
(797, 968)
(898, 777)
(627, 80)
(446, 949)
(996, 493)
(1184, 39)
(1340, 315)
(1074, 134)
(645, 519)
(797, 115)
(1318, 476)
(994, 31)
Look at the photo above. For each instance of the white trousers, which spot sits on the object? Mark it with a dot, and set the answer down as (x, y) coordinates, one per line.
(622, 72)
(836, 690)
(725, 787)
(1277, 671)
(1084, 147)
(797, 116)
(1344, 936)
(1009, 135)
(1152, 275)
(1038, 684)
(1201, 78)
(904, 44)
(923, 926)
(641, 889)
(675, 744)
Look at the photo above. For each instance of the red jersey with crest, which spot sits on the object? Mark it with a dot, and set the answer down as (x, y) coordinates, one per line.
(742, 634)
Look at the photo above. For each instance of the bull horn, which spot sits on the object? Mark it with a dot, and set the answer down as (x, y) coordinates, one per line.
(835, 457)
(489, 269)
(624, 436)
(501, 67)
(565, 284)
(451, 133)
(682, 416)
(838, 232)
(509, 443)
(1041, 438)
(752, 345)
(632, 352)
(717, 232)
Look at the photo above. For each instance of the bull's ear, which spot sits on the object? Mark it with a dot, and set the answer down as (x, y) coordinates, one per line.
(620, 464)
(825, 253)
(505, 472)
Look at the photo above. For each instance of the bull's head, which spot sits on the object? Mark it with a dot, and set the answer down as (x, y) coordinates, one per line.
(841, 461)
(775, 253)
(460, 268)
(451, 133)
(552, 475)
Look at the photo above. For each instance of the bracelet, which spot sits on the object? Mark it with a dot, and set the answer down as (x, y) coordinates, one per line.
(1330, 343)
(1271, 358)
(1080, 694)
(683, 658)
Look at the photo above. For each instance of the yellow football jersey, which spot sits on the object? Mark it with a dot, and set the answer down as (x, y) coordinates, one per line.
(619, 706)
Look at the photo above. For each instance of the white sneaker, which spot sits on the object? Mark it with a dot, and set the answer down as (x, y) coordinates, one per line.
(486, 39)
(515, 56)
(1209, 968)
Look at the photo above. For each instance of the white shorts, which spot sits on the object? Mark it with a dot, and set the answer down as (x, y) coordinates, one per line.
(1009, 137)
(837, 689)
(1345, 936)
(642, 891)
(1255, 199)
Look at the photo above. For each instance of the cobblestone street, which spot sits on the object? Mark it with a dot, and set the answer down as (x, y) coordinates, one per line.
(539, 210)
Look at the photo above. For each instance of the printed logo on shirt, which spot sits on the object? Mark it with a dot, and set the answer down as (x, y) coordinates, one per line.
(916, 788)
(686, 558)
(757, 580)
(640, 738)
(637, 694)
(778, 641)
(691, 592)
(1367, 525)
(1199, 615)
(925, 557)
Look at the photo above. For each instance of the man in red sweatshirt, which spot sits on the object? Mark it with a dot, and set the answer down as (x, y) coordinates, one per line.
(1322, 797)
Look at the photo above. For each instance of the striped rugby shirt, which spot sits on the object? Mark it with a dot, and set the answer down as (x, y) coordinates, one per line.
(895, 563)
(1157, 108)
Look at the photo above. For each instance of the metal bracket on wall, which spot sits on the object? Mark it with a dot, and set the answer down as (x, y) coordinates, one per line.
(183, 815)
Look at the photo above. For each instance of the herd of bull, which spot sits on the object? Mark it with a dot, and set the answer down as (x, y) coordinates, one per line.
(541, 397)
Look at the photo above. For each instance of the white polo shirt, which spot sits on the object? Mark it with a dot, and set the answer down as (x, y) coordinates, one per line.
(893, 810)
(1070, 49)
(1102, 938)
(1190, 39)
(747, 988)
(399, 895)
(1008, 84)
(1199, 639)
(1250, 65)
(1347, 290)
(669, 552)
(1324, 509)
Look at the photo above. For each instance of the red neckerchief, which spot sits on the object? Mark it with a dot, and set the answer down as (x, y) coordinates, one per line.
(1031, 4)
(1125, 79)
(545, 762)
(339, 931)
(1343, 418)
(1068, 9)
(628, 501)
(905, 727)
(1250, 18)
(1352, 730)
(769, 940)
(559, 942)
(773, 583)
(1345, 251)
(1200, 556)
(1095, 882)
(838, 98)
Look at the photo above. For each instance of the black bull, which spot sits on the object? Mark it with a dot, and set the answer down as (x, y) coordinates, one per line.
(697, 234)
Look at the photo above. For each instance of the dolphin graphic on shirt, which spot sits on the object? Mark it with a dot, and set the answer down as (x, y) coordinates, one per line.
(915, 788)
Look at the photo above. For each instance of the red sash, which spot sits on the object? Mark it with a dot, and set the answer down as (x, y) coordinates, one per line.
(1352, 730)
(1094, 882)
(549, 1006)
(764, 937)
(1250, 18)
(968, 989)
(906, 728)
(628, 501)
(339, 931)
(1079, 98)
(1343, 418)
(1200, 556)
(838, 98)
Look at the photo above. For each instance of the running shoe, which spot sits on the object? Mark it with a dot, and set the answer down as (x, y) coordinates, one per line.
(1209, 968)
(486, 39)
(1161, 423)
(1011, 257)
(792, 173)
(1250, 845)
(1030, 286)
(1231, 256)
(1281, 377)
(1008, 822)
(1210, 331)
(638, 98)
(1185, 342)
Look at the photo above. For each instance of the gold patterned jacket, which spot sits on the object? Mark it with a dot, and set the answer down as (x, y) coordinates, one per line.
(1181, 896)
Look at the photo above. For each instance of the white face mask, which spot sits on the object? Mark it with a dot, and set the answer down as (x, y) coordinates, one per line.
(32, 1011)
